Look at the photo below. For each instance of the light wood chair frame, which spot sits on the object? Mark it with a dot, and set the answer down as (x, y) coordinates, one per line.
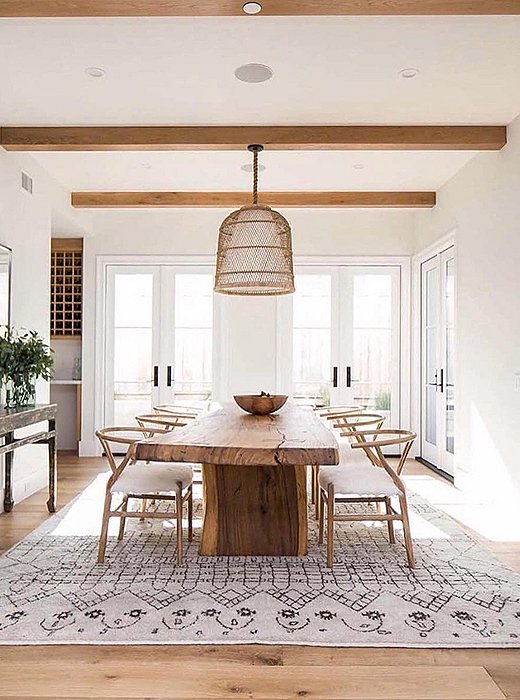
(166, 421)
(332, 413)
(335, 412)
(180, 411)
(119, 435)
(169, 420)
(347, 423)
(373, 449)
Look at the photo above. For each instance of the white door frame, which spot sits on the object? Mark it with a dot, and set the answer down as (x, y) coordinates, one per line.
(103, 262)
(441, 245)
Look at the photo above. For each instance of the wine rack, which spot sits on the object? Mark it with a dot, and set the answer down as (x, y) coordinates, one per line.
(66, 287)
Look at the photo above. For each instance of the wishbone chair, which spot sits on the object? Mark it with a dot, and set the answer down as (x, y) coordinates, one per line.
(140, 480)
(377, 482)
(347, 425)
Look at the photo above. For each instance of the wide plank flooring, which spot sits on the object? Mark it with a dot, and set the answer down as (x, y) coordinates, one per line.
(253, 672)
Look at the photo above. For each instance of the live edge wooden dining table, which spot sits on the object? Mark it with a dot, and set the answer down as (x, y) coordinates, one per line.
(254, 473)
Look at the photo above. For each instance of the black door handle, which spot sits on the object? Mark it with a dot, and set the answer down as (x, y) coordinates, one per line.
(349, 376)
(442, 381)
(169, 373)
(156, 375)
(335, 377)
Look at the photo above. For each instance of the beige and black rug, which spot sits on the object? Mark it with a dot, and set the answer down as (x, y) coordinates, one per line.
(53, 592)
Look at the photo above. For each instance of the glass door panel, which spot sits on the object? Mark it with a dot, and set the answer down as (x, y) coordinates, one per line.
(370, 338)
(193, 337)
(345, 331)
(438, 375)
(131, 343)
(449, 357)
(372, 331)
(312, 338)
(159, 339)
(430, 345)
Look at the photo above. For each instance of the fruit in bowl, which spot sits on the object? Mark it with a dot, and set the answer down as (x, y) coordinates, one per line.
(260, 404)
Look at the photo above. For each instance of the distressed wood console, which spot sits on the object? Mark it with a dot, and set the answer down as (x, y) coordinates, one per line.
(12, 419)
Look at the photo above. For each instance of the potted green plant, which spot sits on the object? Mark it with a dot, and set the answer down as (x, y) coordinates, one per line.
(24, 358)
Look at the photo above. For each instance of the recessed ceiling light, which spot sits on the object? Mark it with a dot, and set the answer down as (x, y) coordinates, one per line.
(248, 168)
(95, 72)
(252, 8)
(409, 73)
(358, 166)
(253, 73)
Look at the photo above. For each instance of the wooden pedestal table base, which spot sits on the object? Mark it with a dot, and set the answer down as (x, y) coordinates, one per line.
(255, 511)
(254, 476)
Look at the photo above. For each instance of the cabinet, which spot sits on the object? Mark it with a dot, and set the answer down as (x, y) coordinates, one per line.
(66, 328)
(66, 287)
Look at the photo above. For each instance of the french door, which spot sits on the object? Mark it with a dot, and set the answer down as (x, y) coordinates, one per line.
(345, 327)
(159, 338)
(438, 375)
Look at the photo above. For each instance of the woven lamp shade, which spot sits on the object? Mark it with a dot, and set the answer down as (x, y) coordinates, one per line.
(254, 255)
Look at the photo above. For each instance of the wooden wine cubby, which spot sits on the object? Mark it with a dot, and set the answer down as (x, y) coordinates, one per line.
(66, 287)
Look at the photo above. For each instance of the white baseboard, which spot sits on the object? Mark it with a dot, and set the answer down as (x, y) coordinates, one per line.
(89, 448)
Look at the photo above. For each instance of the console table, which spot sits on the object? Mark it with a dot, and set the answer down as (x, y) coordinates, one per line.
(12, 419)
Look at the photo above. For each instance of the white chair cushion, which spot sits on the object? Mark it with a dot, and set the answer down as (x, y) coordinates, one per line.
(350, 456)
(358, 480)
(153, 478)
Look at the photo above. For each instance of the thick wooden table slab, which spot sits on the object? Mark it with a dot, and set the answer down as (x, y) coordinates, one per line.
(254, 475)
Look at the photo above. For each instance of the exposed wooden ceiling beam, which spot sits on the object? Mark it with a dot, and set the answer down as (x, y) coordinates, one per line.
(124, 200)
(208, 8)
(233, 138)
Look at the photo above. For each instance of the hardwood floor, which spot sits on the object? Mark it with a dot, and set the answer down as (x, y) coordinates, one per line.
(253, 672)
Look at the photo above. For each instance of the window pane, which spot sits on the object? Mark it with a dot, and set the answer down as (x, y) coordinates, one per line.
(132, 354)
(133, 300)
(450, 291)
(431, 417)
(431, 355)
(312, 336)
(450, 354)
(372, 362)
(192, 360)
(432, 291)
(312, 355)
(128, 407)
(193, 301)
(193, 335)
(311, 301)
(372, 301)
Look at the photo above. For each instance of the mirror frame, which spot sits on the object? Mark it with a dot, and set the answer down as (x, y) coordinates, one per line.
(9, 251)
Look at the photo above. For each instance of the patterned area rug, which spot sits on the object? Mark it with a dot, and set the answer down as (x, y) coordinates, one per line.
(53, 592)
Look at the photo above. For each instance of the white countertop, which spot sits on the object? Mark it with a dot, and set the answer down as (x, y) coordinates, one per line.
(65, 381)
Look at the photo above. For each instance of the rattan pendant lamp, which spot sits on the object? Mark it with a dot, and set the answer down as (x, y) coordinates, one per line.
(254, 254)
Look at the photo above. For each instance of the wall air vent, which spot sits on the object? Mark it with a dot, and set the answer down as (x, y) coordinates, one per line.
(27, 183)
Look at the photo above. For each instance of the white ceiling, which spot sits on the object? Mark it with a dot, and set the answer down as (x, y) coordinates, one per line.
(326, 70)
(334, 70)
(294, 170)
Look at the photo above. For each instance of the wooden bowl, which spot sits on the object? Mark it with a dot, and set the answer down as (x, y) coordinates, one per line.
(260, 405)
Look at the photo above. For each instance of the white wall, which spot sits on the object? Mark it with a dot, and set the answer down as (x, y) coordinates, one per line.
(482, 204)
(26, 224)
(250, 324)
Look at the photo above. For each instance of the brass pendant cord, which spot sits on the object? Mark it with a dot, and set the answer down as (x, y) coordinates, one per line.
(255, 177)
(255, 149)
